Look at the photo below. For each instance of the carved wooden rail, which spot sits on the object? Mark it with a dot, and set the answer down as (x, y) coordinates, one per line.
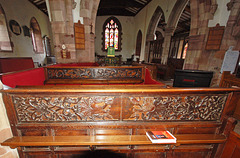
(94, 75)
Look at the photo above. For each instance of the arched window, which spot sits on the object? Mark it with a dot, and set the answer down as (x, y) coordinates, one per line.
(112, 32)
(36, 36)
(139, 43)
(5, 43)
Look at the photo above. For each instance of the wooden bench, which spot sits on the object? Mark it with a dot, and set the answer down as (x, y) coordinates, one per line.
(103, 140)
(62, 121)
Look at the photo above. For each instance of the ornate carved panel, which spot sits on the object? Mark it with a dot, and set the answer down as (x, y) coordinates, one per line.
(134, 108)
(64, 108)
(175, 108)
(94, 73)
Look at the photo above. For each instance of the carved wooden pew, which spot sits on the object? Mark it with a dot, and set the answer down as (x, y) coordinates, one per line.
(63, 121)
(98, 75)
(229, 80)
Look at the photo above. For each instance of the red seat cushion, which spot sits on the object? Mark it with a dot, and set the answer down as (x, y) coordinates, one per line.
(28, 78)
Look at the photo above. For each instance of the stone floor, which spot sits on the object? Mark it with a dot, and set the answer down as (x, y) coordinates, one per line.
(167, 82)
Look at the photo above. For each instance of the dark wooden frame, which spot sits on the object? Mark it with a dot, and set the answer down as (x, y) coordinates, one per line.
(15, 24)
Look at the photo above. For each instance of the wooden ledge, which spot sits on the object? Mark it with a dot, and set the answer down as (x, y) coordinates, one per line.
(107, 140)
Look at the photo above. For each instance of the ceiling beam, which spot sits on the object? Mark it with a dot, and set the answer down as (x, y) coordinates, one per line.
(41, 6)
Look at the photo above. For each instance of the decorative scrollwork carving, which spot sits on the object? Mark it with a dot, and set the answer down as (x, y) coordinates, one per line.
(71, 108)
(94, 73)
(177, 108)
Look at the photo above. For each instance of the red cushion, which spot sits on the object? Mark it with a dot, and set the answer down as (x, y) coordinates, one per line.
(28, 78)
(149, 80)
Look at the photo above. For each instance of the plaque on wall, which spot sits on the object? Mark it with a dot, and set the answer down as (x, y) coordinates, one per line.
(15, 27)
(230, 61)
(215, 36)
(79, 36)
(26, 31)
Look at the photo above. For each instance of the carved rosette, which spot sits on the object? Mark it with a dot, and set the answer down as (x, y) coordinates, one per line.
(177, 108)
(94, 73)
(70, 108)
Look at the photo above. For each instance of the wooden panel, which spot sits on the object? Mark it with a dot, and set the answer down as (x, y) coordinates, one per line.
(151, 67)
(33, 132)
(141, 108)
(232, 147)
(215, 37)
(79, 36)
(230, 80)
(116, 117)
(149, 154)
(67, 132)
(191, 130)
(76, 108)
(37, 155)
(98, 75)
(112, 131)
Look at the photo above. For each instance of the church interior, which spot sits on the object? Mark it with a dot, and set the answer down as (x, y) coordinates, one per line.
(81, 76)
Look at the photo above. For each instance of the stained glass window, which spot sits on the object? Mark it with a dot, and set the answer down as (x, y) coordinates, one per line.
(112, 32)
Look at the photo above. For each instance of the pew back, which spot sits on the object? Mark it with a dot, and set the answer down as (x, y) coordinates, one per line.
(120, 110)
(98, 75)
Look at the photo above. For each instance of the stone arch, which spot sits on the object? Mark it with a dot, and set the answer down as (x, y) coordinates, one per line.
(176, 13)
(151, 29)
(171, 26)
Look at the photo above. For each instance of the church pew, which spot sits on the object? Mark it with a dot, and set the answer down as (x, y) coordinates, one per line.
(76, 75)
(99, 75)
(119, 116)
(230, 80)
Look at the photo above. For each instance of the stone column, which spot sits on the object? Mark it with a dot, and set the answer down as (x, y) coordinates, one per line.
(166, 45)
(147, 47)
(62, 28)
(88, 10)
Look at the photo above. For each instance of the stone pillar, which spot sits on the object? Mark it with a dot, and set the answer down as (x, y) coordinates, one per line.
(62, 28)
(88, 10)
(166, 45)
(149, 38)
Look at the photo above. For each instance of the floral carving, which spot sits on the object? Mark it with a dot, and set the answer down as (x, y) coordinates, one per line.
(72, 108)
(177, 108)
(94, 73)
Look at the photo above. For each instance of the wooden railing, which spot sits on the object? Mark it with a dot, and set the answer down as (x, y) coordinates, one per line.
(94, 75)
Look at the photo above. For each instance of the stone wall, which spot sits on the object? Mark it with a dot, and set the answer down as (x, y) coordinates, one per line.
(211, 60)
